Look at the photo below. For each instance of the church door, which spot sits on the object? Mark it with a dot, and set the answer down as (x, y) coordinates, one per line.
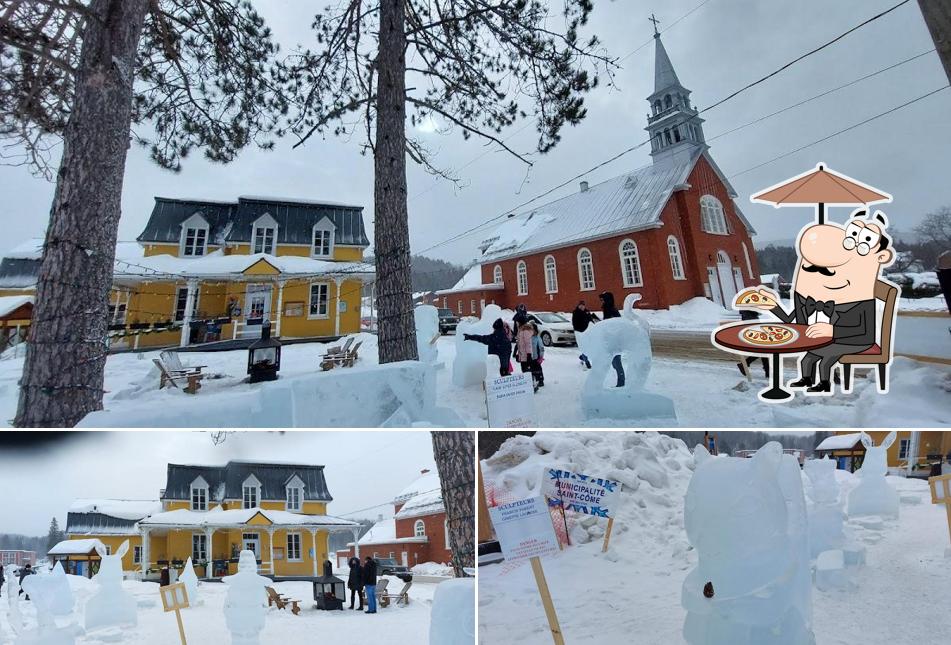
(725, 275)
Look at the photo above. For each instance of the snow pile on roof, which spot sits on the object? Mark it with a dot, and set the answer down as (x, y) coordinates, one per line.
(124, 509)
(471, 280)
(76, 547)
(9, 304)
(219, 264)
(32, 249)
(290, 200)
(840, 441)
(514, 232)
(235, 517)
(427, 482)
(382, 532)
(422, 497)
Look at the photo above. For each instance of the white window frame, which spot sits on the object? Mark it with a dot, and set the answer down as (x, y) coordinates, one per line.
(178, 291)
(299, 546)
(264, 224)
(199, 548)
(137, 554)
(445, 524)
(904, 445)
(419, 528)
(472, 306)
(676, 258)
(636, 277)
(193, 250)
(198, 486)
(585, 269)
(712, 216)
(310, 301)
(521, 274)
(323, 226)
(459, 306)
(251, 484)
(295, 494)
(749, 264)
(497, 274)
(551, 274)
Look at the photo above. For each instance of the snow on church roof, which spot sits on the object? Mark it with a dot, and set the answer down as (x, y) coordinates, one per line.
(472, 280)
(384, 532)
(422, 497)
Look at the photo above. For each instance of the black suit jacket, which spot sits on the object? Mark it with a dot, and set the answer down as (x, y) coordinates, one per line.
(853, 323)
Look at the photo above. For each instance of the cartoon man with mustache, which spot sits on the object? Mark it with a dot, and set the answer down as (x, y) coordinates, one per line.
(834, 292)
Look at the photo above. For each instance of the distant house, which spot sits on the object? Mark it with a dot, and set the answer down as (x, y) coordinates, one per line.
(418, 531)
(847, 449)
(670, 231)
(17, 558)
(15, 314)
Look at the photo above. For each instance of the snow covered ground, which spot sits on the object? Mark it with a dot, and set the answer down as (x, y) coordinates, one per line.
(631, 594)
(705, 393)
(205, 624)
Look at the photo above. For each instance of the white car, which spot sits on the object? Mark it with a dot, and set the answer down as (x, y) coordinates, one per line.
(553, 328)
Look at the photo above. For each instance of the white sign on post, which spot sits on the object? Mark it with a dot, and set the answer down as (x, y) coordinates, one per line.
(511, 401)
(524, 529)
(581, 493)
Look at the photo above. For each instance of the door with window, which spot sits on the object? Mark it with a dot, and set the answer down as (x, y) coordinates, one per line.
(725, 278)
(257, 308)
(714, 281)
(252, 542)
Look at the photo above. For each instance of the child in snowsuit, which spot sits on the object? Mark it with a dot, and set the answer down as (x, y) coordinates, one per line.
(524, 345)
(498, 342)
(538, 352)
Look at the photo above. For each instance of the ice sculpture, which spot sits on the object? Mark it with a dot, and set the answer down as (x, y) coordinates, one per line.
(629, 337)
(874, 495)
(52, 597)
(826, 518)
(747, 520)
(190, 580)
(452, 621)
(111, 606)
(244, 604)
(469, 366)
(426, 318)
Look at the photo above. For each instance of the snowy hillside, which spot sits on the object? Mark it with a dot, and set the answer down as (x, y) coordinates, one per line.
(632, 593)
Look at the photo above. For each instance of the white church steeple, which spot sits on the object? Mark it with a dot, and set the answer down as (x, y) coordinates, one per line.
(674, 125)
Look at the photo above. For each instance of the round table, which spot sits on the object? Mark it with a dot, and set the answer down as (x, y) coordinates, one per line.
(731, 339)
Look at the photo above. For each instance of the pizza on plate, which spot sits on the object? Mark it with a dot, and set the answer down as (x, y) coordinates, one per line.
(754, 297)
(767, 335)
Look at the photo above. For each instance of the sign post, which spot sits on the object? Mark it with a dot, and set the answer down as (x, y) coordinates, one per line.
(941, 494)
(525, 532)
(175, 598)
(584, 494)
(510, 401)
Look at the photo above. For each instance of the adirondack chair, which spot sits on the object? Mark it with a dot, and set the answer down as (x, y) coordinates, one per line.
(341, 356)
(167, 376)
(174, 363)
(281, 602)
(400, 598)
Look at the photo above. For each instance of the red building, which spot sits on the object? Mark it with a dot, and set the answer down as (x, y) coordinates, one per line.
(669, 231)
(417, 532)
(17, 558)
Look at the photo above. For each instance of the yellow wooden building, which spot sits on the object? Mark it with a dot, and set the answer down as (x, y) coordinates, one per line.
(212, 513)
(923, 447)
(202, 271)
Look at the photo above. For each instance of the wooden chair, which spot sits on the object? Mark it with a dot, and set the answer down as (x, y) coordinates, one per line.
(400, 598)
(192, 379)
(381, 586)
(281, 602)
(880, 354)
(340, 356)
(174, 363)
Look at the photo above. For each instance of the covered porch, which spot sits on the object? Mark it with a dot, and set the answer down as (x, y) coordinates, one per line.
(288, 546)
(78, 557)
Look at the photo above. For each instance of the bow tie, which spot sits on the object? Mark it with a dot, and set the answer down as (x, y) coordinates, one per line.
(825, 306)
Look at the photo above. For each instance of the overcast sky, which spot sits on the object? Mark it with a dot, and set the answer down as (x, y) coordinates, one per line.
(719, 48)
(363, 468)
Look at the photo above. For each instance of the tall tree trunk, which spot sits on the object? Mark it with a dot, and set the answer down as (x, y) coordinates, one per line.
(66, 352)
(397, 331)
(454, 451)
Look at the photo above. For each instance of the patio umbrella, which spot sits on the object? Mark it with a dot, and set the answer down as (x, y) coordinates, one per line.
(820, 186)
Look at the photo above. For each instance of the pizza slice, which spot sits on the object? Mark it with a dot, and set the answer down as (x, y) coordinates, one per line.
(754, 298)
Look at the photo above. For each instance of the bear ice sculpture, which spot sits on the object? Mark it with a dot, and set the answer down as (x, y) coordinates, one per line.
(111, 606)
(747, 520)
(629, 338)
(874, 495)
(825, 515)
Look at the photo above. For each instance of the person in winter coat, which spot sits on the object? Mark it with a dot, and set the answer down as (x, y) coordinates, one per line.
(581, 318)
(538, 353)
(2, 579)
(499, 343)
(369, 583)
(521, 316)
(525, 351)
(355, 581)
(609, 310)
(27, 570)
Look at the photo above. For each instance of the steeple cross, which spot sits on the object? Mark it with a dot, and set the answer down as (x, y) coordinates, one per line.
(656, 22)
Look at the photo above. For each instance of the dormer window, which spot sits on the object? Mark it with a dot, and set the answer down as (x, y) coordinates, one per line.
(194, 240)
(199, 495)
(250, 492)
(322, 244)
(264, 235)
(295, 494)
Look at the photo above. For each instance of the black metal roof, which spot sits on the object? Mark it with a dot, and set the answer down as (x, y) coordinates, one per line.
(225, 482)
(234, 221)
(17, 273)
(96, 524)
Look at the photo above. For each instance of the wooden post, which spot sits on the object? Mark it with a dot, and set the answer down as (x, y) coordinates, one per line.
(546, 601)
(181, 627)
(607, 535)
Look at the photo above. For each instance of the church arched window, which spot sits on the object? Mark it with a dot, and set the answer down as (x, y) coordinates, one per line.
(660, 140)
(712, 219)
(667, 137)
(676, 261)
(630, 264)
(657, 106)
(585, 270)
(497, 275)
(677, 134)
(668, 102)
(551, 275)
(521, 275)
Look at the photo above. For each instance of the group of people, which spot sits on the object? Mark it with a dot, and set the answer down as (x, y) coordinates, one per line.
(25, 571)
(529, 349)
(362, 580)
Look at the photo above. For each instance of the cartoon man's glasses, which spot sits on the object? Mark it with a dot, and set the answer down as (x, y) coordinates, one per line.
(860, 238)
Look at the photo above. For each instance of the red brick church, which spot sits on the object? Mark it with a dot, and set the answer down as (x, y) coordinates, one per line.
(669, 231)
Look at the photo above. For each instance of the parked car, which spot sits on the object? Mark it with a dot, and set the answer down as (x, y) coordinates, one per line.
(553, 328)
(447, 321)
(390, 567)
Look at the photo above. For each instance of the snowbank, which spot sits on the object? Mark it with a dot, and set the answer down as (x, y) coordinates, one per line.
(433, 569)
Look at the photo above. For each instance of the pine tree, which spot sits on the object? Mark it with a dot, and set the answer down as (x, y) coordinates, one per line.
(189, 74)
(476, 65)
(454, 451)
(55, 535)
